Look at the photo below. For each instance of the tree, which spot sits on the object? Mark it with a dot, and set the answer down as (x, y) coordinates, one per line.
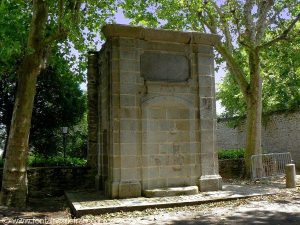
(281, 82)
(51, 22)
(59, 102)
(243, 27)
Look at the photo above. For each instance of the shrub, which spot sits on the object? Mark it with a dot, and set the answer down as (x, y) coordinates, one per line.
(38, 160)
(231, 153)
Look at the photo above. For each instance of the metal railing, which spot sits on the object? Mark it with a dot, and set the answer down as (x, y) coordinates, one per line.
(269, 165)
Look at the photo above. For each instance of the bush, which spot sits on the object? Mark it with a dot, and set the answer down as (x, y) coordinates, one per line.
(41, 161)
(231, 153)
(38, 160)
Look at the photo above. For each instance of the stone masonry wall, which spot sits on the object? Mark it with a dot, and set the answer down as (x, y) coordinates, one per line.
(156, 111)
(53, 181)
(281, 133)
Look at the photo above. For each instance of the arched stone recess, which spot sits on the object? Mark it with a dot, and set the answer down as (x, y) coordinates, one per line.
(169, 142)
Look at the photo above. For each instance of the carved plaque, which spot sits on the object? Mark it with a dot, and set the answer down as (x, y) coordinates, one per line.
(156, 66)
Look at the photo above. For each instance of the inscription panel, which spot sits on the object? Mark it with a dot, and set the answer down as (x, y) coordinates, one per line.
(157, 66)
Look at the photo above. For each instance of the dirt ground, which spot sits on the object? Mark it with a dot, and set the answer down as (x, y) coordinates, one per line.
(283, 208)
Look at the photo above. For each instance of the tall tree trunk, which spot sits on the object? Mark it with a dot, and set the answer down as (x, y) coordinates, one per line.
(14, 181)
(254, 111)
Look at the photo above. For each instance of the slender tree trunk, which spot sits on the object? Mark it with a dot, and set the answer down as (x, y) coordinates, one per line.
(254, 111)
(14, 181)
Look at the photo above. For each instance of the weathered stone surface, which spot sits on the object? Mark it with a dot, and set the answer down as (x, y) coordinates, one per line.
(164, 67)
(129, 189)
(172, 191)
(210, 183)
(156, 110)
(117, 30)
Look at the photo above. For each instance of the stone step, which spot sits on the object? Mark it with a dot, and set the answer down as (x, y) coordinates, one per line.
(171, 191)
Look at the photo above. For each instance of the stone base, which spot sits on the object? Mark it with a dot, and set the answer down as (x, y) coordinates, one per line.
(130, 189)
(112, 189)
(172, 191)
(210, 183)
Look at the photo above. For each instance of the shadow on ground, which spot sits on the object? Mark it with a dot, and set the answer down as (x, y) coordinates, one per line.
(249, 217)
(282, 212)
(38, 209)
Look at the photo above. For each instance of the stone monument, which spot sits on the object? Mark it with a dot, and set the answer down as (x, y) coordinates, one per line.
(152, 115)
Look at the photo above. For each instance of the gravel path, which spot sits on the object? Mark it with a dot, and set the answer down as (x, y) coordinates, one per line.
(282, 208)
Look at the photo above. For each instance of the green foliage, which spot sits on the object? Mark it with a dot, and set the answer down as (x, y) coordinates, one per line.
(280, 68)
(231, 153)
(37, 160)
(59, 102)
(226, 18)
(41, 161)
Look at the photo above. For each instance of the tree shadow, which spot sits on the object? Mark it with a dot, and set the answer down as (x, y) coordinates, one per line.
(249, 216)
(38, 211)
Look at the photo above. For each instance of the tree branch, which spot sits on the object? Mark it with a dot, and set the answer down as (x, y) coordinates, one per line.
(262, 23)
(234, 69)
(249, 24)
(283, 35)
(225, 28)
(38, 24)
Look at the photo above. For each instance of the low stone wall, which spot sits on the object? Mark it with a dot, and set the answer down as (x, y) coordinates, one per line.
(53, 181)
(231, 168)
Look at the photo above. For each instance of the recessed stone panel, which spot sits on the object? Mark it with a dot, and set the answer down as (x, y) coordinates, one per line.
(157, 66)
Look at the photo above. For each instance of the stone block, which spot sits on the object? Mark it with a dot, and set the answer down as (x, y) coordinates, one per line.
(129, 124)
(128, 174)
(165, 148)
(127, 77)
(172, 191)
(210, 183)
(130, 189)
(156, 113)
(206, 81)
(205, 60)
(206, 92)
(129, 54)
(128, 42)
(128, 88)
(127, 100)
(204, 49)
(129, 136)
(112, 189)
(129, 149)
(178, 113)
(130, 112)
(150, 148)
(204, 70)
